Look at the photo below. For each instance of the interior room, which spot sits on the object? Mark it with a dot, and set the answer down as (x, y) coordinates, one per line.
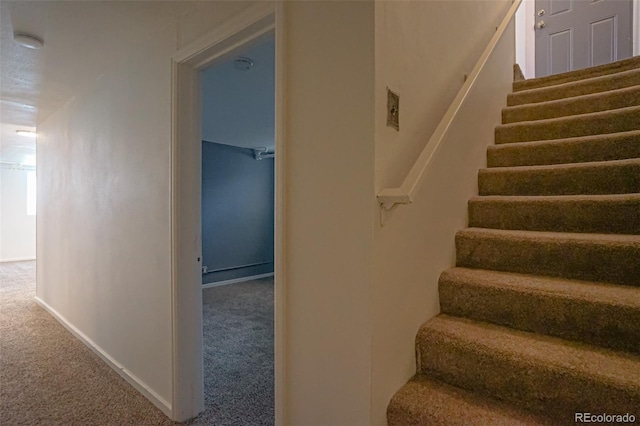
(455, 241)
(238, 235)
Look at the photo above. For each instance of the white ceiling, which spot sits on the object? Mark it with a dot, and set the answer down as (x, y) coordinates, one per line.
(82, 40)
(238, 107)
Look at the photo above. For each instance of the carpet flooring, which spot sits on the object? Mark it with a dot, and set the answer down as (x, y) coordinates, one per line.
(47, 377)
(238, 354)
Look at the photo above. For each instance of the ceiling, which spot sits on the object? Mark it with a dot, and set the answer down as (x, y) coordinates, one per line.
(35, 83)
(238, 106)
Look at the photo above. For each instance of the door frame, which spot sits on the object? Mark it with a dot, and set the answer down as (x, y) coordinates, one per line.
(525, 35)
(186, 210)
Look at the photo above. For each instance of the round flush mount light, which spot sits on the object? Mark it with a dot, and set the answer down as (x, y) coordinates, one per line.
(243, 64)
(26, 133)
(28, 40)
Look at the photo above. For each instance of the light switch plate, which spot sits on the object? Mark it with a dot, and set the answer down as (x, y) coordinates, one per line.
(393, 109)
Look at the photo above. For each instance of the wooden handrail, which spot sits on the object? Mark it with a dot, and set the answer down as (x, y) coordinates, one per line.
(389, 197)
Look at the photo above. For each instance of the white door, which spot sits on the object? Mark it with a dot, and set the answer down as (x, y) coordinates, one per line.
(575, 34)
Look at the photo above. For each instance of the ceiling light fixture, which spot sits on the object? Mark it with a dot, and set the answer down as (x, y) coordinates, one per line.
(28, 40)
(243, 64)
(27, 133)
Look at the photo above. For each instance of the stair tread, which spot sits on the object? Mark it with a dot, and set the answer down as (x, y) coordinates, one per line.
(596, 177)
(580, 86)
(617, 135)
(577, 75)
(588, 115)
(588, 103)
(423, 400)
(608, 213)
(601, 122)
(601, 293)
(545, 236)
(588, 96)
(620, 370)
(563, 166)
(606, 198)
(613, 258)
(614, 146)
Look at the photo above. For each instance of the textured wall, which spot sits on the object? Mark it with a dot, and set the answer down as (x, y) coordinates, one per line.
(104, 176)
(423, 50)
(329, 211)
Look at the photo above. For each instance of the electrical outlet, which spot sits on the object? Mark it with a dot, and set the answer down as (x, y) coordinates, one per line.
(393, 110)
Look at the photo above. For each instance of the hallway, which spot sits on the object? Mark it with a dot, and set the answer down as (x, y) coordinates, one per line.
(48, 377)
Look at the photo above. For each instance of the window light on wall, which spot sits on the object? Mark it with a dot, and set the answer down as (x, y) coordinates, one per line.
(31, 193)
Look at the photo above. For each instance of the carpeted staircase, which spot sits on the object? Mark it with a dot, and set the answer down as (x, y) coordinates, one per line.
(541, 316)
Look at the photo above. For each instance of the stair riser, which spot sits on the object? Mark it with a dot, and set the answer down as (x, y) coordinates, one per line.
(595, 179)
(625, 65)
(612, 262)
(561, 152)
(607, 217)
(425, 401)
(622, 120)
(613, 82)
(538, 388)
(596, 323)
(573, 106)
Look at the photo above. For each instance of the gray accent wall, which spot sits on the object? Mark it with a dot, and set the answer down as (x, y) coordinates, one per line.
(237, 212)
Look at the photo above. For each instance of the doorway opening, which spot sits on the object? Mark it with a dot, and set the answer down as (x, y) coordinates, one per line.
(245, 31)
(238, 153)
(613, 26)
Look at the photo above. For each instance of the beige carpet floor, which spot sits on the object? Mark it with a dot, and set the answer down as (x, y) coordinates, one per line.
(48, 377)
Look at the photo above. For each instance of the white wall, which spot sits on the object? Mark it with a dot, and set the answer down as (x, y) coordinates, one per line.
(526, 38)
(104, 172)
(17, 229)
(636, 27)
(104, 169)
(330, 199)
(423, 50)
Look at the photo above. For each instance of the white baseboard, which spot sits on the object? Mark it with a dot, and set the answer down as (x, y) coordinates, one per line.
(140, 386)
(237, 280)
(17, 259)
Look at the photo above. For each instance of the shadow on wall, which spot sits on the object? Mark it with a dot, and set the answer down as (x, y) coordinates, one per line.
(237, 213)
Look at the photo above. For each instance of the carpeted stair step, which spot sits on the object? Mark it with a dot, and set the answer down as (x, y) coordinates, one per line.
(426, 401)
(594, 123)
(615, 146)
(607, 214)
(538, 373)
(614, 99)
(552, 80)
(601, 314)
(602, 177)
(542, 312)
(576, 88)
(609, 258)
